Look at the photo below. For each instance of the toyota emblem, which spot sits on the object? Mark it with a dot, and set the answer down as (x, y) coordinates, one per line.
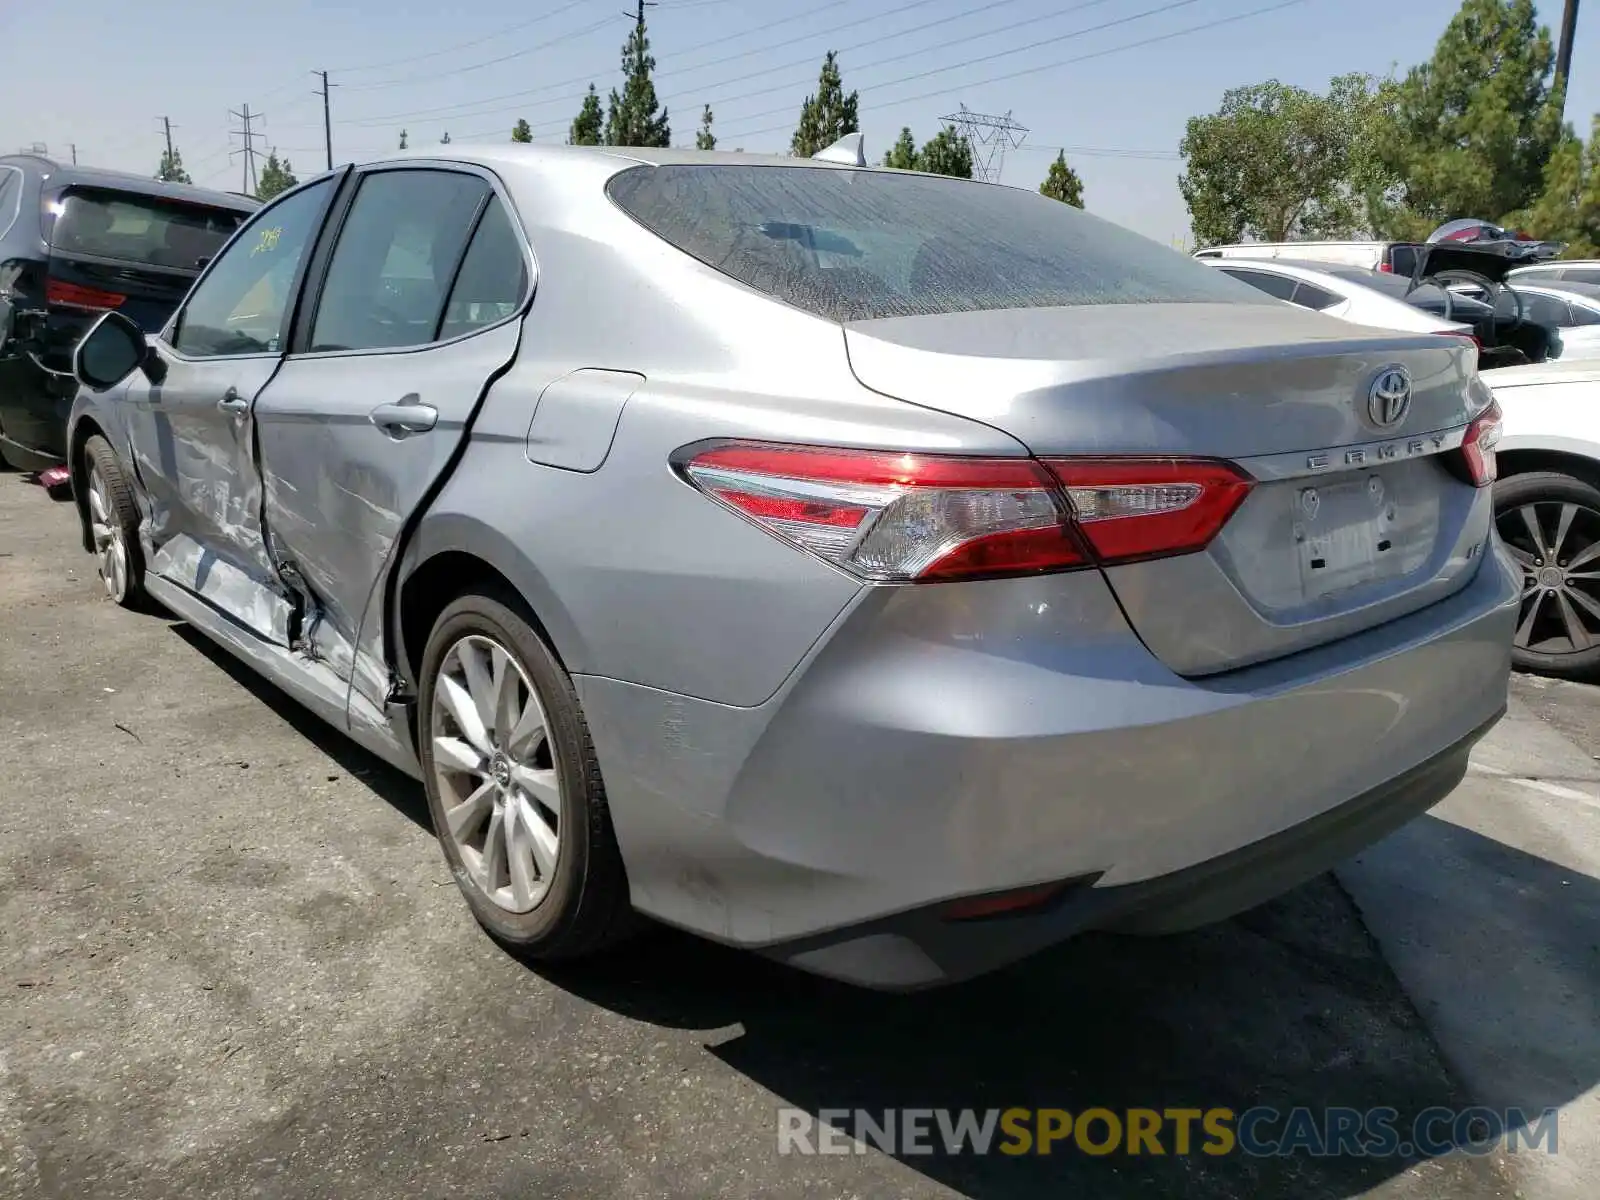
(1389, 397)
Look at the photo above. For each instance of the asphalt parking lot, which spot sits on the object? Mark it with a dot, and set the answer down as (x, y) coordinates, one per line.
(232, 963)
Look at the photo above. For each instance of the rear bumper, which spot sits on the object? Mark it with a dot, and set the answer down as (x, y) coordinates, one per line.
(922, 948)
(33, 415)
(952, 741)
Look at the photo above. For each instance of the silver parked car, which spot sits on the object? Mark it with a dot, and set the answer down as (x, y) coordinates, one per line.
(892, 573)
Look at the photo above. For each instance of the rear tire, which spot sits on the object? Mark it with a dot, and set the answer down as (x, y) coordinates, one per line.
(1551, 524)
(113, 524)
(513, 785)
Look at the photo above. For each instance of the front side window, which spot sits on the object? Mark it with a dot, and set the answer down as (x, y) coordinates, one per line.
(853, 245)
(395, 260)
(240, 305)
(1546, 310)
(1308, 295)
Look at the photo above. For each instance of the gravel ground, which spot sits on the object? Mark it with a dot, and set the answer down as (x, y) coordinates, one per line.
(233, 964)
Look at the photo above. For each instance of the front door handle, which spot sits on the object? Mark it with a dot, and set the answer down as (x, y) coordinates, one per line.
(232, 402)
(408, 416)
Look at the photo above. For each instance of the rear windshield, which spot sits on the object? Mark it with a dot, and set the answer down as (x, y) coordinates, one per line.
(140, 229)
(857, 245)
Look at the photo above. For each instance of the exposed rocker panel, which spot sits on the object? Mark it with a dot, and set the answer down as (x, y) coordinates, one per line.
(576, 418)
(223, 584)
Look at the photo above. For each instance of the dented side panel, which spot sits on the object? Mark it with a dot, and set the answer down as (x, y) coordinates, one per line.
(192, 440)
(343, 478)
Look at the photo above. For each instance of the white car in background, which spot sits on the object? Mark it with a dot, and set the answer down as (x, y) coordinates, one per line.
(1547, 509)
(1358, 295)
(1572, 308)
(1562, 271)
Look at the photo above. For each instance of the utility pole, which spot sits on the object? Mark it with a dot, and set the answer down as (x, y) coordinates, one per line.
(249, 133)
(1569, 30)
(73, 146)
(327, 119)
(988, 138)
(166, 125)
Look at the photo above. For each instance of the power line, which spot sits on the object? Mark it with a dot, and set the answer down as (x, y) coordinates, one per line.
(1050, 66)
(456, 110)
(488, 37)
(1086, 4)
(811, 61)
(1071, 35)
(488, 62)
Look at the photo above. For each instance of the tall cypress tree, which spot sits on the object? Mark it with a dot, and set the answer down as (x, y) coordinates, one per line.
(826, 116)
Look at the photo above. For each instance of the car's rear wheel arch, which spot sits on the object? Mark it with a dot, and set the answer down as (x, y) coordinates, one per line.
(438, 581)
(1525, 462)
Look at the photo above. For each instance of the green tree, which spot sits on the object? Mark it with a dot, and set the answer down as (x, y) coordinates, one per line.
(903, 154)
(276, 176)
(171, 168)
(1277, 162)
(946, 153)
(1473, 128)
(589, 126)
(632, 119)
(402, 139)
(705, 139)
(827, 115)
(520, 132)
(1062, 182)
(1568, 210)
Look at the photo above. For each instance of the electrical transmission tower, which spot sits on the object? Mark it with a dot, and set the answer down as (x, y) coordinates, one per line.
(988, 137)
(248, 131)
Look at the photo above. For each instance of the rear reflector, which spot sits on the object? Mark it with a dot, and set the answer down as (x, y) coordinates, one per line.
(77, 296)
(1000, 904)
(892, 517)
(1479, 446)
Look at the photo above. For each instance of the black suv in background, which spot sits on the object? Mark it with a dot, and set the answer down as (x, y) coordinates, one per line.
(75, 242)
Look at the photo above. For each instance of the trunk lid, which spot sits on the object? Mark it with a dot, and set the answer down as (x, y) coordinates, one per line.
(1351, 523)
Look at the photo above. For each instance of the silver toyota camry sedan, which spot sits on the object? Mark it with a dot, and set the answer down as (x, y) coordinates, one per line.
(888, 573)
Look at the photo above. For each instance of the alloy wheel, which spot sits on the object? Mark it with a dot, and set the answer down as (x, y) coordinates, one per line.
(110, 547)
(494, 764)
(1557, 545)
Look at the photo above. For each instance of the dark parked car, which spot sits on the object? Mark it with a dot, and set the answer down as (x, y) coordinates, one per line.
(76, 242)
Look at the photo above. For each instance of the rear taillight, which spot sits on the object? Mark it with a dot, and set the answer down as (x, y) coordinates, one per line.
(1385, 268)
(75, 295)
(894, 517)
(1478, 447)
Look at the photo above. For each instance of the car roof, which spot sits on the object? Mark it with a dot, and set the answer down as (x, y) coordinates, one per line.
(513, 154)
(1570, 288)
(63, 174)
(1557, 264)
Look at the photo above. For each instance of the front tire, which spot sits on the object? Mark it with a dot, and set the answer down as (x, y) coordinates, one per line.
(1550, 523)
(513, 785)
(113, 524)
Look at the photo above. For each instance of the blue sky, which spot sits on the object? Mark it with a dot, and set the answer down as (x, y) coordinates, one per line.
(100, 76)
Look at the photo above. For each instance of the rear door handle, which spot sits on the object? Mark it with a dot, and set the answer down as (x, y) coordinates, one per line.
(232, 402)
(407, 416)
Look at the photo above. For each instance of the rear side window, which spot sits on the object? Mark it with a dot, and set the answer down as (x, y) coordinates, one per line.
(853, 245)
(395, 258)
(493, 276)
(1308, 295)
(1584, 316)
(10, 194)
(1276, 286)
(1581, 275)
(1546, 310)
(149, 230)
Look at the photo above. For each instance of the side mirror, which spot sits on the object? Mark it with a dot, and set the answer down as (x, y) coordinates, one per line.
(112, 350)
